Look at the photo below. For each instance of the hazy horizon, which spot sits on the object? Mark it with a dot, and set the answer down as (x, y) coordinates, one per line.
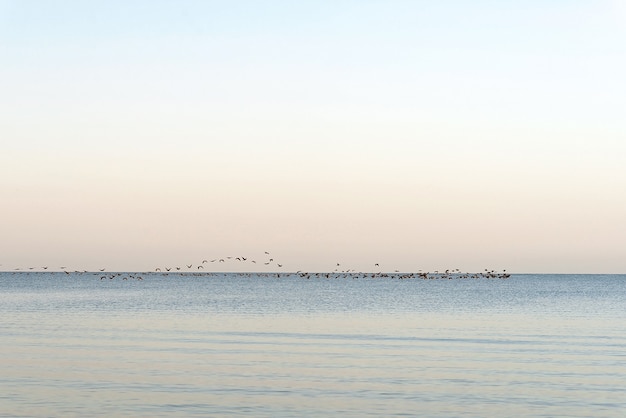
(413, 134)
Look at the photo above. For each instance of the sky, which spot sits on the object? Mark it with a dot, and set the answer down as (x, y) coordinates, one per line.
(419, 135)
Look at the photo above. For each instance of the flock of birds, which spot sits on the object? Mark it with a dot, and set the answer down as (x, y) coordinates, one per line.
(268, 261)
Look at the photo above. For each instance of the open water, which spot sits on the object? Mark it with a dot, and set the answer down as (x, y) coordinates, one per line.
(259, 345)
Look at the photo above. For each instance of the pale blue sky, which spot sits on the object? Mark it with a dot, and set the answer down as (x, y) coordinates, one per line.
(414, 134)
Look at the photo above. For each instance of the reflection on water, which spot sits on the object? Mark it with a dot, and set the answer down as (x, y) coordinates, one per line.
(262, 346)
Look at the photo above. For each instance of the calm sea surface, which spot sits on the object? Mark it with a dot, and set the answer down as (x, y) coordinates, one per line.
(258, 345)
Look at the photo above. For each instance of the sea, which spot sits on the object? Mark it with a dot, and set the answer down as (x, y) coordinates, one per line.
(270, 345)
